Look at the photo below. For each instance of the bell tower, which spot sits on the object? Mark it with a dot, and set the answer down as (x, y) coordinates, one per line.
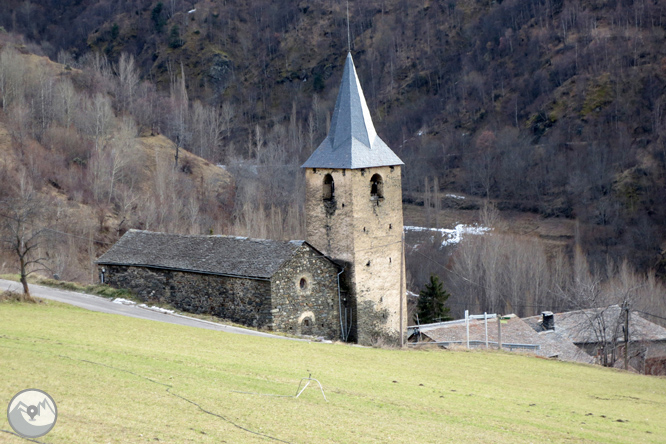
(354, 216)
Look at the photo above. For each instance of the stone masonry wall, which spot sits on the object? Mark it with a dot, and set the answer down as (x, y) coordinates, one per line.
(305, 296)
(378, 262)
(366, 233)
(245, 301)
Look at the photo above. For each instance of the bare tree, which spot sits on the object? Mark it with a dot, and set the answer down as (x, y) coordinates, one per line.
(121, 151)
(66, 100)
(22, 229)
(12, 76)
(128, 77)
(206, 130)
(180, 105)
(228, 113)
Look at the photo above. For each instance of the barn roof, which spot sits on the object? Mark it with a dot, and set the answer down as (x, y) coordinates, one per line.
(352, 141)
(220, 255)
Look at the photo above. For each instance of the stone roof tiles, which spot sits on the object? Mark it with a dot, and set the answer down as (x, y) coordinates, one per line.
(352, 141)
(221, 255)
(514, 331)
(584, 326)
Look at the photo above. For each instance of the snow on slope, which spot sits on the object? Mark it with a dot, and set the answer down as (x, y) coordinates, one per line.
(451, 236)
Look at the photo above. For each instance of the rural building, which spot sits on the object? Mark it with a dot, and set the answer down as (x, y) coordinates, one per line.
(577, 336)
(354, 219)
(279, 285)
(517, 336)
(601, 330)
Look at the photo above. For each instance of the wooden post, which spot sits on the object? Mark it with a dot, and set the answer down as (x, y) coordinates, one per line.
(467, 326)
(485, 321)
(499, 331)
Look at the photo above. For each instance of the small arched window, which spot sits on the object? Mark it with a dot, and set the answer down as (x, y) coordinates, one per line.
(376, 187)
(328, 188)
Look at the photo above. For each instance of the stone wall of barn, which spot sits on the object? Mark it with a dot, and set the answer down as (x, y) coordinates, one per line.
(240, 300)
(305, 296)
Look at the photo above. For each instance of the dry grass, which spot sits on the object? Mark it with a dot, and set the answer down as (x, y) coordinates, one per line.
(13, 296)
(159, 148)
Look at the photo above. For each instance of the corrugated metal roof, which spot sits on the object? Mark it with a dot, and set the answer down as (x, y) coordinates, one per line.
(352, 141)
(221, 255)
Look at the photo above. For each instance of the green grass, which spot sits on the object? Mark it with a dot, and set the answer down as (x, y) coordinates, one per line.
(82, 359)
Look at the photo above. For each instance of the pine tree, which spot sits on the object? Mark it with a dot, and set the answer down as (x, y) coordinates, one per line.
(431, 302)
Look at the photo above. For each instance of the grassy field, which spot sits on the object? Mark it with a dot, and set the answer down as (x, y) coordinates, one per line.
(118, 379)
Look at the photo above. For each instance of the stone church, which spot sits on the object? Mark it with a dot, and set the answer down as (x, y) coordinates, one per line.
(345, 282)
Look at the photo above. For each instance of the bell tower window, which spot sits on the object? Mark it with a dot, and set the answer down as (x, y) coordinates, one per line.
(328, 188)
(376, 187)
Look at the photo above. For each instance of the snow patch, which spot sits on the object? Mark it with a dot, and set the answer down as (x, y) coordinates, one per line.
(157, 309)
(123, 301)
(452, 236)
(153, 308)
(455, 196)
(191, 11)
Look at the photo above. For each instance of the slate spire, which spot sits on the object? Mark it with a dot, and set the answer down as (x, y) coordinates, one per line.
(352, 141)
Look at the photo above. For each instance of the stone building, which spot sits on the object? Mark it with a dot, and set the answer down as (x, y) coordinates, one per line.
(354, 218)
(279, 285)
(354, 215)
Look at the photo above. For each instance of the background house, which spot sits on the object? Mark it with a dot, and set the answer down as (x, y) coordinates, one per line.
(600, 333)
(516, 336)
(279, 285)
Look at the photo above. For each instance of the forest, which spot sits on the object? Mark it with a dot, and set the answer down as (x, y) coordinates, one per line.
(536, 108)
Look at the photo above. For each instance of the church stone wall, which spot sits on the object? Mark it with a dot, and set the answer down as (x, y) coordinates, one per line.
(378, 261)
(330, 224)
(365, 232)
(281, 304)
(305, 296)
(245, 301)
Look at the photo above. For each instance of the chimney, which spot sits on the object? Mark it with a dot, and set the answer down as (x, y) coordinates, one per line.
(548, 322)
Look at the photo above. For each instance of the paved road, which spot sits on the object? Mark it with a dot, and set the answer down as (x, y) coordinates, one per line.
(97, 303)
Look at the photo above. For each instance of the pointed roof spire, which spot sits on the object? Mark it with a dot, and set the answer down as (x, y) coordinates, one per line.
(352, 141)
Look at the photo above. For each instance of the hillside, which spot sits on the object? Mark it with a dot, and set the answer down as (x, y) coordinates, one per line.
(550, 111)
(119, 379)
(90, 172)
(553, 108)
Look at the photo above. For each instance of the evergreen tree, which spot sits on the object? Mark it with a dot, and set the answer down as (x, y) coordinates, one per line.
(431, 302)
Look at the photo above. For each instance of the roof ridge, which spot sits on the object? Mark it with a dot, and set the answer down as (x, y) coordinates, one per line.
(212, 236)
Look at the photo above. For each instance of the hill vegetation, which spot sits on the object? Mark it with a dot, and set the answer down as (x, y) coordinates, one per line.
(551, 110)
(120, 379)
